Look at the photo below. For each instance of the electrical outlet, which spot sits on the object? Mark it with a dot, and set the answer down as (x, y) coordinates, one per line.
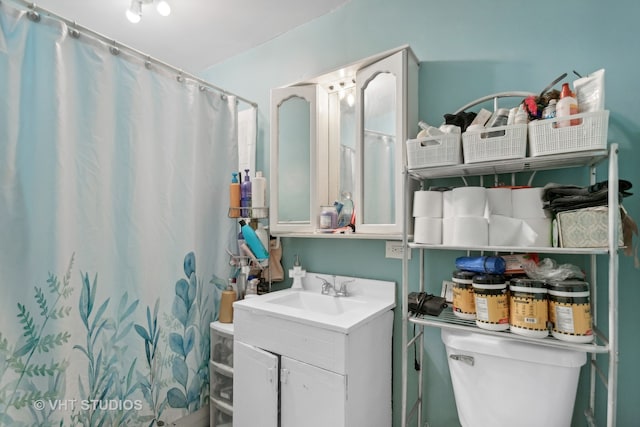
(394, 249)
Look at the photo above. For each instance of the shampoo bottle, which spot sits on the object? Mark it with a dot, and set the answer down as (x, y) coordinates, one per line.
(259, 196)
(252, 240)
(245, 195)
(234, 196)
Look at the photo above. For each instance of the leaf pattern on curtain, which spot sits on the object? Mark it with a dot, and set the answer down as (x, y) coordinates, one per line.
(111, 393)
(27, 377)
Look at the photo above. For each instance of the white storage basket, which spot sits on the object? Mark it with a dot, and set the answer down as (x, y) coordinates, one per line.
(441, 150)
(496, 143)
(545, 137)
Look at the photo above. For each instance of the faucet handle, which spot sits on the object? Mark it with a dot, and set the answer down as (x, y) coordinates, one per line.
(325, 285)
(343, 292)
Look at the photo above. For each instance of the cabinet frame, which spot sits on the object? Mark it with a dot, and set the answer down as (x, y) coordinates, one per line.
(604, 343)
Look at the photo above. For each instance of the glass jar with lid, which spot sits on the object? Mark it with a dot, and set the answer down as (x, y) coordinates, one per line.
(328, 217)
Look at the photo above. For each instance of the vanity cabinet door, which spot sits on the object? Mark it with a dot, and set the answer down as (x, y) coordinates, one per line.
(255, 385)
(311, 396)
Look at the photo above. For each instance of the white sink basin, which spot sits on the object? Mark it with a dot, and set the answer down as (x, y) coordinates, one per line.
(318, 303)
(367, 299)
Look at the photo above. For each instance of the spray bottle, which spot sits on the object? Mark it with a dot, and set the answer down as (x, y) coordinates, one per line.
(567, 106)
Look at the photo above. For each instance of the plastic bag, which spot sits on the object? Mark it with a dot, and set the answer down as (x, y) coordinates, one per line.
(548, 269)
(481, 264)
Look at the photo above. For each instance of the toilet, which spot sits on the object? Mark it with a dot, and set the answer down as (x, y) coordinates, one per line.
(501, 382)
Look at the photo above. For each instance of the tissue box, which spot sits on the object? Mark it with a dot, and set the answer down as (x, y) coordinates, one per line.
(586, 228)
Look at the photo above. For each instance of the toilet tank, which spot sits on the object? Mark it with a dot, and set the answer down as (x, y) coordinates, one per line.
(503, 382)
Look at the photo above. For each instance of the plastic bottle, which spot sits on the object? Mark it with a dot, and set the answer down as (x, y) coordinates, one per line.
(522, 118)
(226, 305)
(245, 195)
(241, 280)
(345, 217)
(512, 116)
(262, 234)
(253, 241)
(549, 111)
(234, 196)
(259, 196)
(241, 242)
(567, 106)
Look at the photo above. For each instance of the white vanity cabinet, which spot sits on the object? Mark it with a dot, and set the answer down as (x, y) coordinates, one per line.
(295, 373)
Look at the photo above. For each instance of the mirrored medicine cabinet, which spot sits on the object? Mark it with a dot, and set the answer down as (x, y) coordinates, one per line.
(341, 133)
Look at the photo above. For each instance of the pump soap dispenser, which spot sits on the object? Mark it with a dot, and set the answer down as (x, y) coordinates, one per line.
(297, 274)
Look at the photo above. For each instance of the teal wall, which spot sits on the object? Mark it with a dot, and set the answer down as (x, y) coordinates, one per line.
(467, 49)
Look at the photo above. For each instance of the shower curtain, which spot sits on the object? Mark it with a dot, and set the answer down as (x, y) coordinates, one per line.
(113, 229)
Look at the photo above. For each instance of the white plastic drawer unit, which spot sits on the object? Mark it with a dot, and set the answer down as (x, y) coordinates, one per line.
(222, 344)
(221, 375)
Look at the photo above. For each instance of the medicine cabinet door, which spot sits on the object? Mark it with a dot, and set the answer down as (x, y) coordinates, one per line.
(298, 130)
(386, 107)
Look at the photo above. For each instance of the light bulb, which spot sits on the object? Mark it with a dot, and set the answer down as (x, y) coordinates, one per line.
(134, 13)
(351, 99)
(163, 8)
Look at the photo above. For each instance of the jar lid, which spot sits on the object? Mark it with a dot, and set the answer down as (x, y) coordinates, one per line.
(464, 274)
(569, 286)
(489, 279)
(526, 282)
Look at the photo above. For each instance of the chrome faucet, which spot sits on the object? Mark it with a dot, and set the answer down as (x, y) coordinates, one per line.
(326, 287)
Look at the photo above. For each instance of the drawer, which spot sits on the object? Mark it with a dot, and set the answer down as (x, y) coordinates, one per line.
(221, 384)
(220, 415)
(222, 343)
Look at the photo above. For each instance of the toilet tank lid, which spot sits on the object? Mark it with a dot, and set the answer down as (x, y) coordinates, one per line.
(473, 342)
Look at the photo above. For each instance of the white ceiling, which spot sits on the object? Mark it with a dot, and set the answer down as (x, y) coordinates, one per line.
(198, 33)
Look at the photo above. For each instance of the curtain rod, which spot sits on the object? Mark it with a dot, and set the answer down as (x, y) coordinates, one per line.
(115, 46)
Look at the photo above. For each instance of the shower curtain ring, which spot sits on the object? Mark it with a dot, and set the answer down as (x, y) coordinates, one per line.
(73, 31)
(179, 77)
(32, 14)
(147, 63)
(114, 49)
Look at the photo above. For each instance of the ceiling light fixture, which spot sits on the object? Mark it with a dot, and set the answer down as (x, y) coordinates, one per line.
(134, 12)
(163, 8)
